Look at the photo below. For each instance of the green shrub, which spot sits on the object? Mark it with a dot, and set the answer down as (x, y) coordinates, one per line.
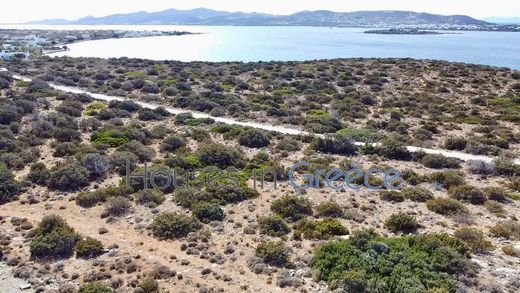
(172, 143)
(455, 143)
(506, 229)
(496, 193)
(95, 288)
(220, 155)
(118, 206)
(288, 145)
(417, 194)
(334, 145)
(446, 206)
(186, 197)
(9, 187)
(113, 138)
(320, 229)
(467, 193)
(401, 222)
(69, 176)
(474, 239)
(53, 238)
(254, 138)
(88, 248)
(232, 194)
(149, 285)
(329, 209)
(495, 208)
(91, 198)
(173, 225)
(411, 177)
(436, 161)
(149, 196)
(292, 208)
(274, 253)
(394, 149)
(273, 226)
(391, 195)
(207, 212)
(447, 178)
(374, 263)
(38, 174)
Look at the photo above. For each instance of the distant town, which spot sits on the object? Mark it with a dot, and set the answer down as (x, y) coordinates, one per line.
(25, 44)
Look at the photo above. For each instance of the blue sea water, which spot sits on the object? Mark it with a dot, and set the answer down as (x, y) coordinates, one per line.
(229, 43)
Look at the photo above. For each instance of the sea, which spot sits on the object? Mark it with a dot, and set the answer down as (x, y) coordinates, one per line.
(295, 43)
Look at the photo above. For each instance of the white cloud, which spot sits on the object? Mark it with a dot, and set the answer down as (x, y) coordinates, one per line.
(26, 10)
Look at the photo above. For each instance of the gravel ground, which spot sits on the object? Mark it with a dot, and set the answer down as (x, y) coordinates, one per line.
(10, 284)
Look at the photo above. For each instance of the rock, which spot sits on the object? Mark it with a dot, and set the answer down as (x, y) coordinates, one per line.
(25, 287)
(206, 271)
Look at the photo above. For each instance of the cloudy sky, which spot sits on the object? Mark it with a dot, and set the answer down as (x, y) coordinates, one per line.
(27, 10)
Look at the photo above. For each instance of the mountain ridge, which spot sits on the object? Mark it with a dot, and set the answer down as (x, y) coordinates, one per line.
(204, 16)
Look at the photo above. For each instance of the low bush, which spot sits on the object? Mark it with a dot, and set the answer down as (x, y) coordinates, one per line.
(53, 238)
(120, 160)
(220, 155)
(511, 251)
(496, 193)
(118, 206)
(391, 196)
(446, 206)
(113, 138)
(149, 196)
(329, 209)
(173, 226)
(506, 229)
(149, 285)
(394, 149)
(447, 178)
(9, 187)
(474, 239)
(320, 229)
(89, 248)
(411, 177)
(467, 193)
(207, 212)
(187, 197)
(274, 253)
(172, 143)
(69, 176)
(334, 145)
(367, 262)
(439, 162)
(417, 194)
(273, 226)
(292, 208)
(232, 194)
(401, 222)
(288, 145)
(254, 138)
(38, 174)
(96, 164)
(95, 288)
(91, 198)
(455, 143)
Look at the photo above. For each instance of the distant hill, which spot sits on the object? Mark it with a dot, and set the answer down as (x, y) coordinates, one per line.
(202, 16)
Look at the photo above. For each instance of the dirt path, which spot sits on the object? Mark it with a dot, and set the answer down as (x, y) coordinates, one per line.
(285, 129)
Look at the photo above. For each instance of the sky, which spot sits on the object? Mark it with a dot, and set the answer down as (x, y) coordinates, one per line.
(28, 10)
